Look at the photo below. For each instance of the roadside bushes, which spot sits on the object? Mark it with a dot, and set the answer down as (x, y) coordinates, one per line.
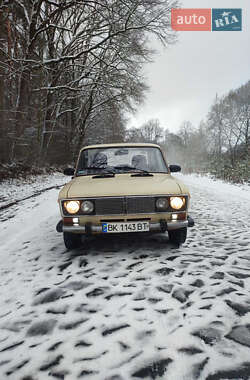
(23, 171)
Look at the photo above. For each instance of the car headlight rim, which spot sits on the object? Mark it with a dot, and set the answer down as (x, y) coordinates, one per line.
(72, 207)
(177, 203)
(162, 204)
(87, 207)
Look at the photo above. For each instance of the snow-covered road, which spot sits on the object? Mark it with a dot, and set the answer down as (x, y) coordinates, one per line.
(131, 307)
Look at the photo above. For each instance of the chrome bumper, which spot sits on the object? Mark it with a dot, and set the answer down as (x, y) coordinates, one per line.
(153, 227)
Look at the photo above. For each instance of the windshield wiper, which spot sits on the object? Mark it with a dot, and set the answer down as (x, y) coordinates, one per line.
(94, 167)
(104, 175)
(130, 168)
(105, 170)
(142, 172)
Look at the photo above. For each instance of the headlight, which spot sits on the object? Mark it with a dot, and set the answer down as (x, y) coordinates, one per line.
(72, 207)
(162, 203)
(87, 207)
(177, 202)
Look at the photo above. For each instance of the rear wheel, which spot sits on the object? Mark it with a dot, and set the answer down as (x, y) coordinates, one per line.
(178, 236)
(72, 241)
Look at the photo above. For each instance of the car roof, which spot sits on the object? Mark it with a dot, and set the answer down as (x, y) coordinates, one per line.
(120, 145)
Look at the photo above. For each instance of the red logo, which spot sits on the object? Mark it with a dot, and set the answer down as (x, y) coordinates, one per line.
(191, 19)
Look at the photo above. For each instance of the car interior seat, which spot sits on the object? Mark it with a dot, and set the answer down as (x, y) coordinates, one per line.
(100, 160)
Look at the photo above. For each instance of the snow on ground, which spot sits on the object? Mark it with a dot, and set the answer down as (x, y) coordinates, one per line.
(130, 307)
(216, 185)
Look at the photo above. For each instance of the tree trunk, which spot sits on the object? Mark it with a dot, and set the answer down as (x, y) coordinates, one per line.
(2, 94)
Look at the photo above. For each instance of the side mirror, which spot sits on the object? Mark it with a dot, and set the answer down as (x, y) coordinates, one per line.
(174, 168)
(69, 171)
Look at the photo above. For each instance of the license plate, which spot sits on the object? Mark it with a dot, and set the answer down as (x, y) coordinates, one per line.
(117, 228)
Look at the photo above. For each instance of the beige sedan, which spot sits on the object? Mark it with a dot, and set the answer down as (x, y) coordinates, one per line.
(123, 188)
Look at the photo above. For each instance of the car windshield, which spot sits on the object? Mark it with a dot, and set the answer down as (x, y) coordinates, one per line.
(121, 160)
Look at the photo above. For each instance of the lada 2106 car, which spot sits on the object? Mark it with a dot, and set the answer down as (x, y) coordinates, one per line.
(123, 188)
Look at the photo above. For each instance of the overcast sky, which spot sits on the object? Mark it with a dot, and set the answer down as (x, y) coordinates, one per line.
(185, 77)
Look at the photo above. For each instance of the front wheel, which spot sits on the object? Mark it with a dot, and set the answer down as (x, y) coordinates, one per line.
(178, 236)
(72, 241)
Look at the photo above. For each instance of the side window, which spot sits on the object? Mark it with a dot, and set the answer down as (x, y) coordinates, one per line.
(152, 159)
(83, 161)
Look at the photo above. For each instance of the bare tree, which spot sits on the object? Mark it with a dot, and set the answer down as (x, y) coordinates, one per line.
(152, 131)
(71, 58)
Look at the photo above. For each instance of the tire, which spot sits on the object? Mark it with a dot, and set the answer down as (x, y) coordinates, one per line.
(72, 241)
(178, 236)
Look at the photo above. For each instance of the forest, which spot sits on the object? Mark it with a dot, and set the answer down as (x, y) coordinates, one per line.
(69, 68)
(219, 145)
(71, 73)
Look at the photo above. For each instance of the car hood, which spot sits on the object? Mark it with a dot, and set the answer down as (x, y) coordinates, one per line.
(122, 185)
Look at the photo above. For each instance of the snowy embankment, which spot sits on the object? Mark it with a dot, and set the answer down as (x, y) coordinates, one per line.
(13, 190)
(122, 308)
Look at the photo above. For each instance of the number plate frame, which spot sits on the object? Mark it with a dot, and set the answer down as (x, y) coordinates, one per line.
(125, 227)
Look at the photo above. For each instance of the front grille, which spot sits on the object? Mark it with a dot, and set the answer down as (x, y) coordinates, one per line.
(140, 205)
(124, 205)
(109, 206)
